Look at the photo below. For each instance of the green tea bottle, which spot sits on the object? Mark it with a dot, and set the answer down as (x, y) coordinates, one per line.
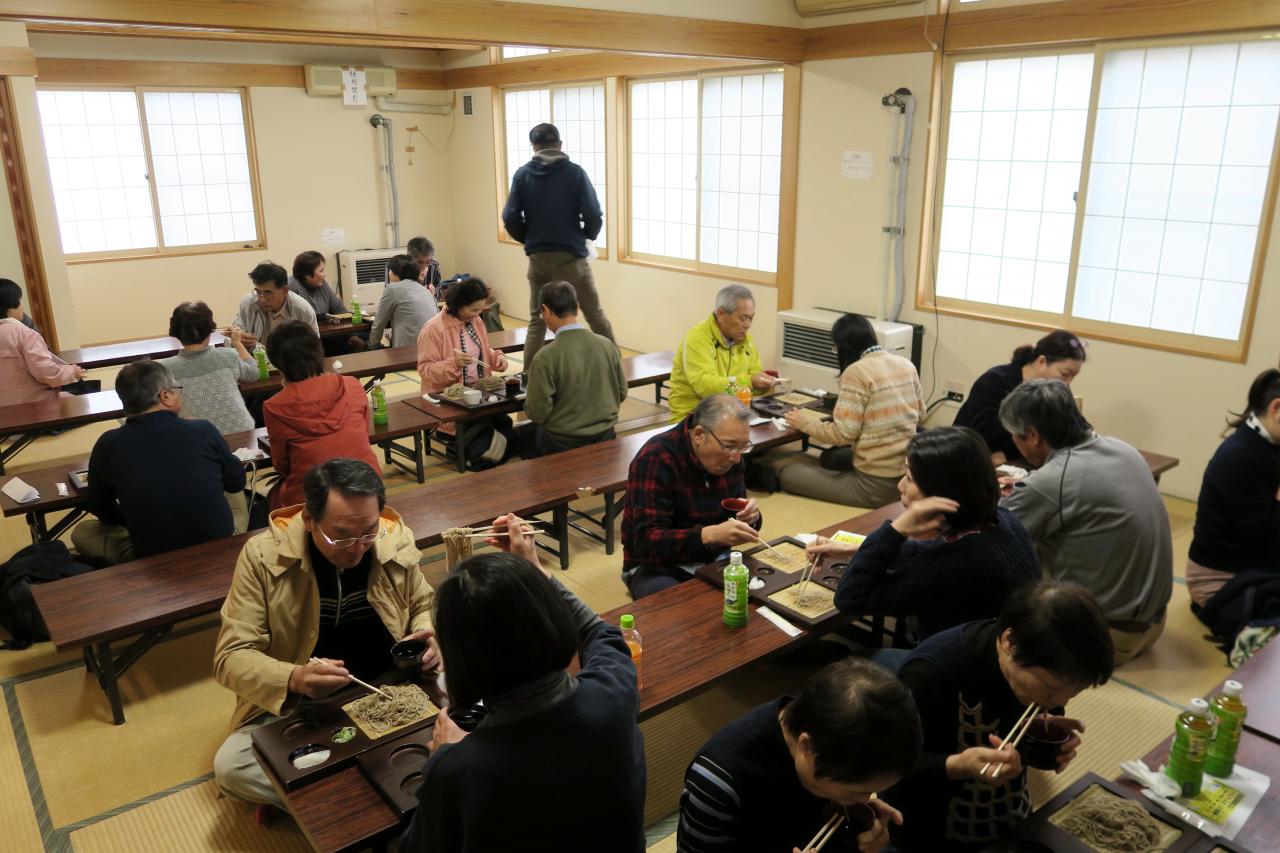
(736, 578)
(1190, 743)
(379, 404)
(356, 316)
(1229, 711)
(260, 355)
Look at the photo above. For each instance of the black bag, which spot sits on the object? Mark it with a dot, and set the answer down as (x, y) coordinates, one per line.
(38, 563)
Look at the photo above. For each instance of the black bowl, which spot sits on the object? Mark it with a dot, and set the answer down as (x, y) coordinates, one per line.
(468, 718)
(1043, 744)
(407, 654)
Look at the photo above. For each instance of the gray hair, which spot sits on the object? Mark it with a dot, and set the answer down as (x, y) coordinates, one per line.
(1048, 407)
(139, 385)
(349, 476)
(730, 295)
(713, 410)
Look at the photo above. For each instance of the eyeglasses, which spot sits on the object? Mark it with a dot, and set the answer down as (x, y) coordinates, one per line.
(731, 448)
(264, 294)
(367, 539)
(174, 388)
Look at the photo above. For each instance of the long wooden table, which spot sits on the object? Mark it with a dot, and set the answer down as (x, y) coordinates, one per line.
(687, 650)
(512, 340)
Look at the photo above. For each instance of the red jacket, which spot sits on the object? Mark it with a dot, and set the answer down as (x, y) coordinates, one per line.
(311, 422)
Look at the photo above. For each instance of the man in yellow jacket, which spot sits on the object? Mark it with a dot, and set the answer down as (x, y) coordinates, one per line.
(322, 594)
(716, 350)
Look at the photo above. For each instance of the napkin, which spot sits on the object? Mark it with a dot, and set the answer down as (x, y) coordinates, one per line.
(20, 491)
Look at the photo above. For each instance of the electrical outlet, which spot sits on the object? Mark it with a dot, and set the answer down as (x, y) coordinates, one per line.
(955, 390)
(955, 396)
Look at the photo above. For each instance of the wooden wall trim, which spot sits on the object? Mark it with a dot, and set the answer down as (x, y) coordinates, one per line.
(579, 66)
(17, 62)
(123, 72)
(1061, 22)
(45, 25)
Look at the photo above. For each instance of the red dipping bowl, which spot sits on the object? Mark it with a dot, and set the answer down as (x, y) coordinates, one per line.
(734, 505)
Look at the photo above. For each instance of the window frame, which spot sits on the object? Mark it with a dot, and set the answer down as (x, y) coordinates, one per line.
(160, 250)
(500, 149)
(781, 279)
(1235, 350)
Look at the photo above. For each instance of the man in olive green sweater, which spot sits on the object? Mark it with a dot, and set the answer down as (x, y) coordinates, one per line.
(576, 383)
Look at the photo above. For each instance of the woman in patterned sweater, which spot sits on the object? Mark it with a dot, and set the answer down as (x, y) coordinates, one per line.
(878, 411)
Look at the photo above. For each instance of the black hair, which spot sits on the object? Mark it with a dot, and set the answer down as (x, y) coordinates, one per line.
(954, 462)
(405, 267)
(1059, 627)
(560, 297)
(1058, 345)
(191, 322)
(852, 334)
(269, 273)
(500, 624)
(295, 348)
(1264, 390)
(420, 247)
(349, 476)
(305, 265)
(1049, 407)
(861, 721)
(464, 293)
(10, 295)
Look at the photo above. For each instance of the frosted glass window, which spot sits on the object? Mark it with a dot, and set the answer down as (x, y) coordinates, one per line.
(664, 168)
(1181, 152)
(578, 113)
(1009, 191)
(512, 51)
(94, 145)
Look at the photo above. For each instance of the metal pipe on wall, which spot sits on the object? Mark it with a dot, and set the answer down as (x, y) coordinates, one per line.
(389, 168)
(905, 103)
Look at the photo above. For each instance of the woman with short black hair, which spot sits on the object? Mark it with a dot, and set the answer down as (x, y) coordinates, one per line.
(507, 633)
(210, 376)
(879, 408)
(308, 281)
(29, 372)
(315, 417)
(768, 780)
(953, 555)
(1058, 355)
(972, 683)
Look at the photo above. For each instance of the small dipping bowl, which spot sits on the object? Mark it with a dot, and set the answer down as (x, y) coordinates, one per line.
(472, 396)
(407, 654)
(513, 386)
(1043, 744)
(860, 816)
(733, 506)
(309, 755)
(468, 718)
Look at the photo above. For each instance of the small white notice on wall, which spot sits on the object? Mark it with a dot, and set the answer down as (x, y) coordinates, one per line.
(856, 165)
(353, 90)
(333, 236)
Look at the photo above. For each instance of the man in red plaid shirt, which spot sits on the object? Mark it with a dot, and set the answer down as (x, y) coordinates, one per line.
(673, 521)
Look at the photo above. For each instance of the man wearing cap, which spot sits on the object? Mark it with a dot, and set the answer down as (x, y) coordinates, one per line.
(553, 211)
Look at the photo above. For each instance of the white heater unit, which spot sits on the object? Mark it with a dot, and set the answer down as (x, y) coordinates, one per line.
(363, 273)
(804, 341)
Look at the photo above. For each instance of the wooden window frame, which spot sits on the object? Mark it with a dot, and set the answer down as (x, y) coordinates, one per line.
(783, 278)
(160, 250)
(1235, 350)
(500, 148)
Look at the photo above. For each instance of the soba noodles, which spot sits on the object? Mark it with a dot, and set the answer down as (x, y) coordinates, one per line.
(490, 383)
(457, 546)
(377, 714)
(1114, 824)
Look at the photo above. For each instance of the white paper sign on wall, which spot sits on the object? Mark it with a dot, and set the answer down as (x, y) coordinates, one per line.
(354, 93)
(333, 236)
(856, 165)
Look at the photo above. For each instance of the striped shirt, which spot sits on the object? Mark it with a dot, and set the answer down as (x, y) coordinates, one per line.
(350, 629)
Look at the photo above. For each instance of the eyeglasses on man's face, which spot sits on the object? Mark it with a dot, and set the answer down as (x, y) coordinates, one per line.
(731, 448)
(367, 539)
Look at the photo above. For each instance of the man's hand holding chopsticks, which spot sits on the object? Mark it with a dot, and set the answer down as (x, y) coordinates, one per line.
(318, 678)
(517, 539)
(969, 764)
(431, 657)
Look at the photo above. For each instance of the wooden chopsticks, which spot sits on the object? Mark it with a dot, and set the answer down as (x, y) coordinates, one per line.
(805, 577)
(377, 690)
(824, 835)
(1015, 736)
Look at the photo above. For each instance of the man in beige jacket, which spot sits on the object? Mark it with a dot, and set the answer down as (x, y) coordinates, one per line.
(335, 579)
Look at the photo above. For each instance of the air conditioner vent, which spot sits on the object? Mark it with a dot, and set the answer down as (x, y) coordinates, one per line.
(809, 344)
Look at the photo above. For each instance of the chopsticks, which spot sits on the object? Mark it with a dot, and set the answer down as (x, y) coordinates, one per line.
(824, 835)
(1014, 737)
(805, 577)
(486, 532)
(377, 690)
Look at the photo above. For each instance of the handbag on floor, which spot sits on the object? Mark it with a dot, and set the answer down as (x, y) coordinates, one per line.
(39, 563)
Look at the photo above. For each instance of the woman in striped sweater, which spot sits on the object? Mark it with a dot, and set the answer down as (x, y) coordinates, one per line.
(878, 411)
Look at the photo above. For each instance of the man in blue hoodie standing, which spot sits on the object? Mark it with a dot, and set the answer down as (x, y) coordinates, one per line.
(553, 211)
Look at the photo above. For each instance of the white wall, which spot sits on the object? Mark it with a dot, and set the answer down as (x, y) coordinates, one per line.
(1164, 402)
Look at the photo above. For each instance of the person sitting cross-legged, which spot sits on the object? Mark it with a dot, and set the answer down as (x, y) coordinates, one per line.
(673, 521)
(576, 382)
(160, 482)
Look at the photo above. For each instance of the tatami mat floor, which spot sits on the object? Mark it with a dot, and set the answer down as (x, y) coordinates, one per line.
(69, 780)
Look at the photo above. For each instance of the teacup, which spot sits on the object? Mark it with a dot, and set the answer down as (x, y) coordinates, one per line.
(471, 396)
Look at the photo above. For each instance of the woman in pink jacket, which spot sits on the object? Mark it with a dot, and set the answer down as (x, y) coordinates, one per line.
(453, 347)
(28, 371)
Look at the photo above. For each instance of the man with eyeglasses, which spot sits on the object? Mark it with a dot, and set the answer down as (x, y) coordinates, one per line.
(673, 521)
(270, 304)
(159, 482)
(317, 598)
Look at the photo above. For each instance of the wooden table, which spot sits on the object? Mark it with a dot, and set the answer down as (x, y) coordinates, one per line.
(108, 355)
(1260, 676)
(512, 340)
(343, 328)
(1158, 463)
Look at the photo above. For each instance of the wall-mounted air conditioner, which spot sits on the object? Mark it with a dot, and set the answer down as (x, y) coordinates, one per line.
(804, 342)
(362, 273)
(831, 7)
(326, 80)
